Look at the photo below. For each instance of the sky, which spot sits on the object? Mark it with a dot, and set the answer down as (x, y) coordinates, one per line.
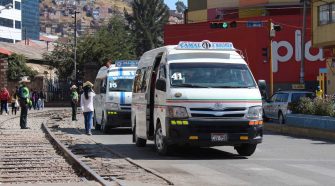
(171, 3)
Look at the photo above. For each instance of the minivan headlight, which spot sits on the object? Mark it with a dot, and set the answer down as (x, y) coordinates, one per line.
(255, 112)
(113, 106)
(177, 112)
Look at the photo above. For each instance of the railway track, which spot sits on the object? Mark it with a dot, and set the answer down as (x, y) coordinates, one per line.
(30, 156)
(111, 166)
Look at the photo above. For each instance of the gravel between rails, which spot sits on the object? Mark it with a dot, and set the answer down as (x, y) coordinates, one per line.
(27, 156)
(108, 165)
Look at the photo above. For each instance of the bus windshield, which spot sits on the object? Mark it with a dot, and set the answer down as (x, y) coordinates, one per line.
(120, 85)
(211, 75)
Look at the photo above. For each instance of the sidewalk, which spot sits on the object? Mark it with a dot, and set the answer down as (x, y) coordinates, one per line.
(299, 131)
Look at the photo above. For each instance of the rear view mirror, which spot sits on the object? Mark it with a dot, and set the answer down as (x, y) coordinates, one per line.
(103, 89)
(262, 88)
(262, 84)
(161, 85)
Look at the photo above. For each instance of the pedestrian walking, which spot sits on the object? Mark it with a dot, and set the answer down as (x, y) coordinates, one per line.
(24, 101)
(74, 102)
(34, 99)
(86, 102)
(42, 99)
(4, 97)
(14, 102)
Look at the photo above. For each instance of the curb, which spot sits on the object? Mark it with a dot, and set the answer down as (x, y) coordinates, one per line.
(299, 131)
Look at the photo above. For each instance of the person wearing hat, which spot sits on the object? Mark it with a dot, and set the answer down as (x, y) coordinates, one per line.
(23, 94)
(74, 102)
(86, 103)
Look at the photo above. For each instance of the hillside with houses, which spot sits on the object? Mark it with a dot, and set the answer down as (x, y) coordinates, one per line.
(57, 16)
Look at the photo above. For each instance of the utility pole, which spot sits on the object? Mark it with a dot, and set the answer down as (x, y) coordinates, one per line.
(302, 65)
(75, 46)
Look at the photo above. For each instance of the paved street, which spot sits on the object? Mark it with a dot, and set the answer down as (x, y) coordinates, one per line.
(279, 160)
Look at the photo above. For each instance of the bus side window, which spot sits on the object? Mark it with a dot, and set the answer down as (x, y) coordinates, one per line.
(144, 81)
(138, 81)
(162, 72)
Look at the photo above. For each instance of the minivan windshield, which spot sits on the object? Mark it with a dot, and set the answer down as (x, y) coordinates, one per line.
(210, 75)
(120, 85)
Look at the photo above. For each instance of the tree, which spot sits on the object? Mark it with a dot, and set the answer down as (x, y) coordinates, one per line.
(112, 41)
(146, 23)
(180, 6)
(17, 67)
(61, 58)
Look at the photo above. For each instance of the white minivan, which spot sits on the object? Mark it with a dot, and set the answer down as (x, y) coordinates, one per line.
(197, 94)
(113, 86)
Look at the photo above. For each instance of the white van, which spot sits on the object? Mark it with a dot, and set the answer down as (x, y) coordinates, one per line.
(198, 94)
(112, 104)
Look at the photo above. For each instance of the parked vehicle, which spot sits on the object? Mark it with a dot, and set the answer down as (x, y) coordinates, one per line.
(112, 104)
(199, 94)
(277, 107)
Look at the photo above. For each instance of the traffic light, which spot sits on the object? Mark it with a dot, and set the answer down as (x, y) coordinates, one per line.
(265, 52)
(223, 25)
(275, 27)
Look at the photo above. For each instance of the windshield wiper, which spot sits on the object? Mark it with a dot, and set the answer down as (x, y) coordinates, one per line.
(188, 85)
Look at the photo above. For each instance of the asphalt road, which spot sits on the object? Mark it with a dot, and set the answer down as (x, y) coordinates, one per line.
(279, 160)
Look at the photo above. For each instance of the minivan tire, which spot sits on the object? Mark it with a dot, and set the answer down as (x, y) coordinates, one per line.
(95, 123)
(161, 146)
(281, 118)
(103, 127)
(246, 149)
(139, 142)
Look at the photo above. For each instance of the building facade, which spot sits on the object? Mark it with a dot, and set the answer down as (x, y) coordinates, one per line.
(210, 10)
(10, 21)
(30, 19)
(323, 26)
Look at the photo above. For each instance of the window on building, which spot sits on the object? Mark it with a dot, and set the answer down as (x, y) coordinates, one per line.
(17, 5)
(6, 22)
(324, 16)
(5, 2)
(6, 40)
(18, 24)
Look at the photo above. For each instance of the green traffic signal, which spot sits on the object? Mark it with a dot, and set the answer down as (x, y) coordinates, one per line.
(224, 25)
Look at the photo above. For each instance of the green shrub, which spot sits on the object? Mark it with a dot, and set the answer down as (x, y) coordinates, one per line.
(317, 106)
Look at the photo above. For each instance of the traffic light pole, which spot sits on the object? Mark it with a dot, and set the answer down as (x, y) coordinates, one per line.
(270, 60)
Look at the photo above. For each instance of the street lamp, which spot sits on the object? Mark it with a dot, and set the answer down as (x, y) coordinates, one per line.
(75, 45)
(7, 6)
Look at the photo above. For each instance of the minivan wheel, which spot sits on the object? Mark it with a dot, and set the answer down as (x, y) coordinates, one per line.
(103, 127)
(281, 118)
(160, 144)
(138, 141)
(246, 149)
(95, 123)
(266, 119)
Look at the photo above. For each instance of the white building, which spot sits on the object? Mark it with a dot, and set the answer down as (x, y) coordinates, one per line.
(10, 21)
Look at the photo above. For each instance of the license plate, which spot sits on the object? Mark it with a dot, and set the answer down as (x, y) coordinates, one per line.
(219, 137)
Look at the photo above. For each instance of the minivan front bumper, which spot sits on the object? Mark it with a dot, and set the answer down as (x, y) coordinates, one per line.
(118, 118)
(199, 131)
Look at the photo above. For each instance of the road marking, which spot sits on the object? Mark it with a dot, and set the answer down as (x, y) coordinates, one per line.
(277, 175)
(316, 169)
(209, 176)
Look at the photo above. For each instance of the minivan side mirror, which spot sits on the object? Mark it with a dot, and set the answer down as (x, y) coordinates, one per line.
(262, 84)
(103, 89)
(161, 85)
